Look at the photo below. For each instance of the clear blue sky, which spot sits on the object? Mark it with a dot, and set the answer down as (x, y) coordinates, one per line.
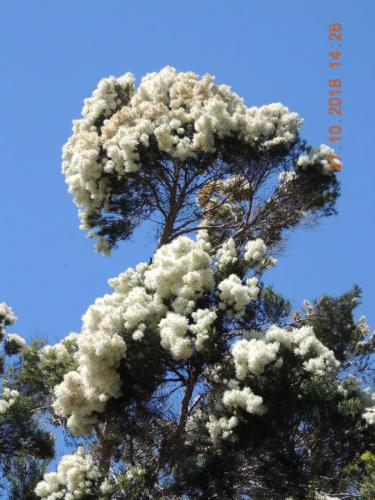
(54, 53)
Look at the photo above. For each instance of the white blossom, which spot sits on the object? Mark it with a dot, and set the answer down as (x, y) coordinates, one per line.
(203, 319)
(76, 475)
(256, 255)
(369, 415)
(227, 254)
(318, 157)
(173, 329)
(221, 428)
(236, 295)
(252, 356)
(245, 399)
(7, 315)
(183, 113)
(8, 399)
(362, 326)
(100, 349)
(181, 269)
(255, 251)
(318, 358)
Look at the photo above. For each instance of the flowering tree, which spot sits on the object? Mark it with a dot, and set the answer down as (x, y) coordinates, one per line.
(193, 378)
(25, 447)
(152, 151)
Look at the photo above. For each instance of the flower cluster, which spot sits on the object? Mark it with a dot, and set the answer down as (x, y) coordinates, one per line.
(285, 177)
(317, 157)
(221, 428)
(227, 254)
(252, 356)
(60, 352)
(181, 113)
(77, 477)
(100, 349)
(182, 270)
(256, 255)
(235, 296)
(318, 359)
(14, 343)
(58, 359)
(245, 399)
(8, 399)
(250, 359)
(7, 317)
(162, 298)
(369, 415)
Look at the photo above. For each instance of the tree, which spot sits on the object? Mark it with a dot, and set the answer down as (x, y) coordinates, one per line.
(25, 447)
(193, 378)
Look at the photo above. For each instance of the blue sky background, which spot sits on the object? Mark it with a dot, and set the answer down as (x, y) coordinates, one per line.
(52, 56)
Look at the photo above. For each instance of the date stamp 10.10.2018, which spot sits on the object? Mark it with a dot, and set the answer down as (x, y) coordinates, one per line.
(335, 84)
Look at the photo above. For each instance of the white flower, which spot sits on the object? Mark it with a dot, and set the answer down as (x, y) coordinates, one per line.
(173, 329)
(318, 358)
(235, 295)
(318, 157)
(9, 397)
(100, 350)
(369, 415)
(255, 251)
(221, 428)
(76, 474)
(183, 113)
(227, 254)
(181, 269)
(245, 399)
(252, 356)
(7, 315)
(203, 318)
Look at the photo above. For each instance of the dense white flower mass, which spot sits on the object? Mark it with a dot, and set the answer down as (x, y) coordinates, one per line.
(255, 251)
(173, 329)
(8, 399)
(161, 298)
(252, 356)
(183, 113)
(203, 319)
(235, 295)
(221, 428)
(181, 269)
(250, 359)
(77, 476)
(303, 342)
(7, 316)
(256, 255)
(245, 399)
(320, 157)
(100, 349)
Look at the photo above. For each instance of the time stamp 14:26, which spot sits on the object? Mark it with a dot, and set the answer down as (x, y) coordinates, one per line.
(335, 93)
